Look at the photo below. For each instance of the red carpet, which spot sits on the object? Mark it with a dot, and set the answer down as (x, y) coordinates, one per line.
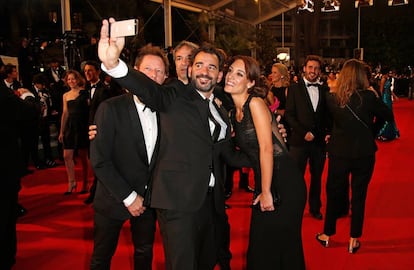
(57, 231)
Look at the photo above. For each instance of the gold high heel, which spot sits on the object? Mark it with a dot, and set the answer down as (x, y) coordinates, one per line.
(324, 243)
(71, 188)
(353, 249)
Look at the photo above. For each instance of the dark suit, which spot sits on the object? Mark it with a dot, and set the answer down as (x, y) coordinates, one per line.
(56, 89)
(14, 86)
(13, 112)
(186, 209)
(100, 94)
(120, 162)
(45, 102)
(302, 118)
(351, 151)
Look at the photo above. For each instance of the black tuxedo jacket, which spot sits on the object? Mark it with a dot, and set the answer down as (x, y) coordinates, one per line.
(15, 85)
(101, 93)
(14, 112)
(301, 117)
(119, 156)
(51, 80)
(187, 154)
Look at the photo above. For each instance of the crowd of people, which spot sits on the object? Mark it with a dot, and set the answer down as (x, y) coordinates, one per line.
(161, 148)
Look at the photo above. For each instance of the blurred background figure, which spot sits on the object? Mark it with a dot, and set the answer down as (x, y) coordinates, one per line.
(44, 99)
(387, 85)
(55, 75)
(25, 60)
(14, 111)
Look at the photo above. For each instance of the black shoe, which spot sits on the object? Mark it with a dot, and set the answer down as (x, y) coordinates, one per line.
(88, 200)
(227, 195)
(324, 243)
(21, 211)
(50, 163)
(316, 215)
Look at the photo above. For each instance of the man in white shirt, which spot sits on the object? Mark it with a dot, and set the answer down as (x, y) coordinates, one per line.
(123, 155)
(307, 116)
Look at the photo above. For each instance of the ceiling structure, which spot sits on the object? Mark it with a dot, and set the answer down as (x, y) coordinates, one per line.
(251, 12)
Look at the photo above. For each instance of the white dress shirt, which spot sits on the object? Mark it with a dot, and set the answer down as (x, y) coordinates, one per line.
(313, 92)
(149, 126)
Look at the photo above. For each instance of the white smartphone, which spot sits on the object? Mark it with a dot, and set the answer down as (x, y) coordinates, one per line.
(124, 28)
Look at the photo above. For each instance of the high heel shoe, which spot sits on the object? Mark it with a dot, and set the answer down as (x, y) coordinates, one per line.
(324, 243)
(352, 249)
(71, 188)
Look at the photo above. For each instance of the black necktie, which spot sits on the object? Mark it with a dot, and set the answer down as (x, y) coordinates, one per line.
(312, 84)
(217, 126)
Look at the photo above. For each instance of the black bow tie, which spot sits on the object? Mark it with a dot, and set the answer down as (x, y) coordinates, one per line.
(312, 84)
(93, 86)
(145, 107)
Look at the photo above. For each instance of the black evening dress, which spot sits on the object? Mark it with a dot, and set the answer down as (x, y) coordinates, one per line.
(275, 240)
(75, 133)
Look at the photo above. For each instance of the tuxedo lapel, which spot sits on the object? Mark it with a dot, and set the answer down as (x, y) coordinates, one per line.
(306, 96)
(136, 130)
(157, 145)
(321, 97)
(224, 115)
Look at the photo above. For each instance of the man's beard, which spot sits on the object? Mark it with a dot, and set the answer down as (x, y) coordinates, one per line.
(203, 88)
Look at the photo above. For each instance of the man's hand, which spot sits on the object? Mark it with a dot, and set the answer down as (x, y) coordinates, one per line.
(92, 132)
(136, 208)
(109, 49)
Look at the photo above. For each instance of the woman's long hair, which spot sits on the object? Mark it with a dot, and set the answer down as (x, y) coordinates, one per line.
(285, 78)
(354, 77)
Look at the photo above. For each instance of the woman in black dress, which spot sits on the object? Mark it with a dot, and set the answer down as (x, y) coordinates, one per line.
(275, 240)
(74, 128)
(279, 87)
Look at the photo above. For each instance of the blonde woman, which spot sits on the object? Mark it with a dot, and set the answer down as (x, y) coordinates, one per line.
(279, 86)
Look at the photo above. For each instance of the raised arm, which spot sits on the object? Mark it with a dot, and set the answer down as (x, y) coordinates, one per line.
(109, 49)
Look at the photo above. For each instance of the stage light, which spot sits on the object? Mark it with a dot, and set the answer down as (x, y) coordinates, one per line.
(283, 55)
(306, 5)
(330, 5)
(397, 2)
(363, 3)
